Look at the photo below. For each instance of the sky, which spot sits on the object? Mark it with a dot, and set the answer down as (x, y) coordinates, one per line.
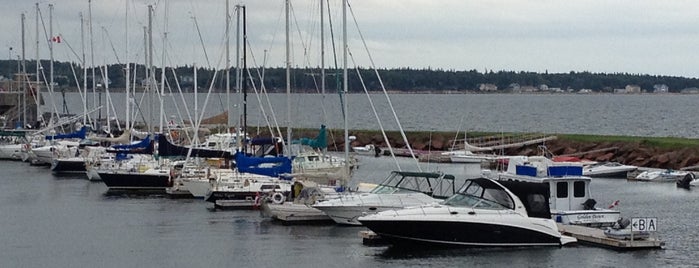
(608, 36)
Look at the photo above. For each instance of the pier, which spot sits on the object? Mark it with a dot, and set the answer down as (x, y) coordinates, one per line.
(596, 237)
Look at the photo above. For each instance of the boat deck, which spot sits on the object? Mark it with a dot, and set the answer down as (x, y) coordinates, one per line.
(596, 237)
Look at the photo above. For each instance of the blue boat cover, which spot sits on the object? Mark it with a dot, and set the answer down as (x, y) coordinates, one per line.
(80, 134)
(273, 166)
(145, 146)
(165, 148)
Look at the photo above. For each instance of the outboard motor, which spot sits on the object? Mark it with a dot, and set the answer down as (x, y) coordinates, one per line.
(684, 181)
(621, 223)
(589, 204)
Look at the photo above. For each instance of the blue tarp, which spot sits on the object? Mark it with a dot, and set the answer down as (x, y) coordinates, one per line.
(145, 146)
(273, 166)
(80, 134)
(142, 144)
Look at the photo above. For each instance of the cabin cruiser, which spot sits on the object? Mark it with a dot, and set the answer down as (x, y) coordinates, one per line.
(400, 189)
(608, 170)
(483, 213)
(667, 175)
(561, 184)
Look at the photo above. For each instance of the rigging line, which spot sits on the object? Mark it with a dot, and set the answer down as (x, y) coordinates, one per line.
(264, 91)
(174, 101)
(179, 89)
(259, 101)
(201, 40)
(109, 39)
(390, 104)
(376, 114)
(337, 76)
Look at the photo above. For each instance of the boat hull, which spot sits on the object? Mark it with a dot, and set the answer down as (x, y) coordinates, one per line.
(289, 212)
(468, 234)
(135, 181)
(66, 166)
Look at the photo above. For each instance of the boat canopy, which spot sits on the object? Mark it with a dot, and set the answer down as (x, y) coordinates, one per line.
(268, 165)
(80, 134)
(165, 148)
(319, 142)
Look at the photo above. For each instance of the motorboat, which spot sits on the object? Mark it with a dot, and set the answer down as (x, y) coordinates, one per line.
(483, 213)
(688, 181)
(369, 149)
(241, 190)
(667, 175)
(300, 208)
(465, 156)
(400, 189)
(563, 187)
(608, 170)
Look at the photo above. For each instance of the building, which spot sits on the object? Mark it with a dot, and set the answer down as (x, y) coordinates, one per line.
(487, 87)
(633, 89)
(660, 88)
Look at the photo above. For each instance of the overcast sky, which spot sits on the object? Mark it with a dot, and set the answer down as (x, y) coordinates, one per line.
(633, 36)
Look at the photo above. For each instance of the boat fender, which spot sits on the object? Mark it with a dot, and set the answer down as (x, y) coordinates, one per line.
(278, 198)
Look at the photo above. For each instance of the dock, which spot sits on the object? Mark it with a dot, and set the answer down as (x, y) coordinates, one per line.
(585, 235)
(596, 237)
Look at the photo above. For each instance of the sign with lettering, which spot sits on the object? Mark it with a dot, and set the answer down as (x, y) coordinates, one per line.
(644, 224)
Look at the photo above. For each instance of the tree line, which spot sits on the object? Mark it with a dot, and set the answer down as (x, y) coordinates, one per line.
(70, 75)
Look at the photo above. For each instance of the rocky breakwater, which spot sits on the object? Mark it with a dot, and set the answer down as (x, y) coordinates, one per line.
(638, 152)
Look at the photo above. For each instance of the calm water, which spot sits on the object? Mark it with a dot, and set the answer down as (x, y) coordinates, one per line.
(607, 114)
(50, 221)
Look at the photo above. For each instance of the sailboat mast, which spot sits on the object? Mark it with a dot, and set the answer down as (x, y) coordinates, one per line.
(23, 78)
(82, 46)
(92, 56)
(228, 68)
(107, 97)
(51, 56)
(288, 78)
(37, 90)
(128, 70)
(162, 70)
(150, 67)
(238, 75)
(245, 76)
(344, 81)
(322, 51)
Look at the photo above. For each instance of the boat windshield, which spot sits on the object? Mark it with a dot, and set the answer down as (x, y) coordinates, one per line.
(475, 195)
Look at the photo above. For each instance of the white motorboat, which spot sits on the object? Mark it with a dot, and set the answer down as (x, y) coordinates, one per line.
(11, 151)
(240, 190)
(482, 214)
(300, 208)
(608, 170)
(400, 189)
(368, 149)
(667, 175)
(567, 192)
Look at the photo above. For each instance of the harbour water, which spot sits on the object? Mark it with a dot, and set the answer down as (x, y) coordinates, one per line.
(67, 221)
(658, 115)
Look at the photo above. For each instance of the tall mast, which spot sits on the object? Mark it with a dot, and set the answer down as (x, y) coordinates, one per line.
(107, 97)
(37, 90)
(344, 81)
(51, 57)
(84, 65)
(150, 67)
(128, 72)
(228, 67)
(322, 51)
(288, 78)
(162, 70)
(92, 56)
(238, 74)
(147, 70)
(245, 76)
(23, 78)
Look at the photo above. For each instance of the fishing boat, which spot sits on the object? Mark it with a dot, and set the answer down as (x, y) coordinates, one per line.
(483, 213)
(558, 189)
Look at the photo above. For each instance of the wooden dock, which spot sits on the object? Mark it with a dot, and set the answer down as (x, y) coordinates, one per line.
(596, 237)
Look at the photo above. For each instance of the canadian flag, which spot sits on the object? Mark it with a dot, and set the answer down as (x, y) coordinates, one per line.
(614, 204)
(56, 39)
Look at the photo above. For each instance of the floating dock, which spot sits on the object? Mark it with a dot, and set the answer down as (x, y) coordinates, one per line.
(585, 235)
(596, 237)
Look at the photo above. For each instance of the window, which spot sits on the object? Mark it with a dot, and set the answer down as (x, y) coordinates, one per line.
(579, 189)
(562, 189)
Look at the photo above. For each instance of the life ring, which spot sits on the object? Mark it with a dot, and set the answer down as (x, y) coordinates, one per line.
(278, 198)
